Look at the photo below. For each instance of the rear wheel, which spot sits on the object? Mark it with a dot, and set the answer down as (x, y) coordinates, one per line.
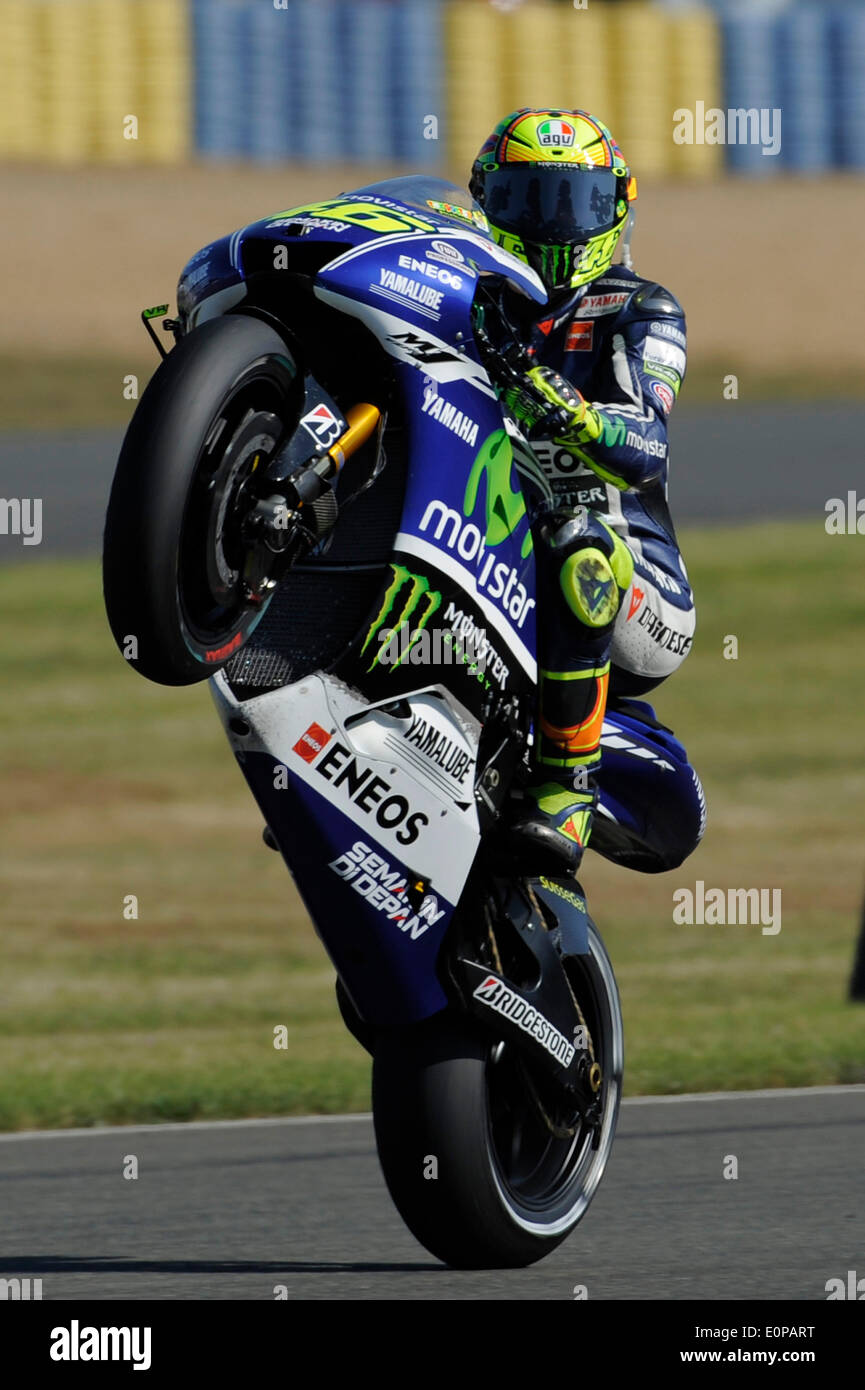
(479, 1174)
(174, 549)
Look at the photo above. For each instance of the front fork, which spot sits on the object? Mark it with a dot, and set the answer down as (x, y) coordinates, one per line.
(295, 506)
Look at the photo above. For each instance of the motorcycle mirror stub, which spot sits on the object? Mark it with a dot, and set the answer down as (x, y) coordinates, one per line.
(170, 325)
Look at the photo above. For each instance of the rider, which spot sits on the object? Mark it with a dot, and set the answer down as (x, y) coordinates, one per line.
(608, 355)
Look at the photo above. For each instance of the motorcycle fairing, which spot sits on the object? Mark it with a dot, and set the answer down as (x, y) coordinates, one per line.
(416, 300)
(215, 279)
(330, 772)
(365, 752)
(212, 282)
(462, 562)
(323, 735)
(386, 953)
(464, 538)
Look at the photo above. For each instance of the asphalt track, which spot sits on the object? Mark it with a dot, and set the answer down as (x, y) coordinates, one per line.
(232, 1210)
(729, 462)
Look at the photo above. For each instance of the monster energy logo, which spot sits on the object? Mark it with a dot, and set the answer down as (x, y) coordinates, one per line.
(417, 593)
(409, 640)
(557, 263)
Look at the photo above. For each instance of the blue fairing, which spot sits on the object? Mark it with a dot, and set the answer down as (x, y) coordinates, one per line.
(414, 293)
(393, 207)
(385, 954)
(210, 273)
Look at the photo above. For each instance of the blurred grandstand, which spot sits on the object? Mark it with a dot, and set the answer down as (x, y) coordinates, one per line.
(318, 81)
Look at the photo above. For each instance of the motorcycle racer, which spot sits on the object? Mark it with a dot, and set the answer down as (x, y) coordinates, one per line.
(607, 359)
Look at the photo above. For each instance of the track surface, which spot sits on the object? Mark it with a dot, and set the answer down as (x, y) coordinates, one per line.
(728, 463)
(228, 1211)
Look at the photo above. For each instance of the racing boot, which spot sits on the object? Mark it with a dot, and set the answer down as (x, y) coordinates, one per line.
(595, 569)
(553, 829)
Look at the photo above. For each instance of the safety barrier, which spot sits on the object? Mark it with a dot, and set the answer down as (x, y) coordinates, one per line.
(73, 73)
(318, 81)
(687, 91)
(628, 63)
(804, 59)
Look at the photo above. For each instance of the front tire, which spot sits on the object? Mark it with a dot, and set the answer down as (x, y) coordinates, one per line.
(173, 553)
(473, 1171)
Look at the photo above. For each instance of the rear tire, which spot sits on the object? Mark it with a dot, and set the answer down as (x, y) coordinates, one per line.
(214, 408)
(466, 1160)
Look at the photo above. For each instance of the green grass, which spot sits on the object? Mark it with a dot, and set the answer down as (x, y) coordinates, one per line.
(57, 392)
(44, 392)
(115, 787)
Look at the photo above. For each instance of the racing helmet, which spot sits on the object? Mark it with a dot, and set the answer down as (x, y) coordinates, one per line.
(556, 191)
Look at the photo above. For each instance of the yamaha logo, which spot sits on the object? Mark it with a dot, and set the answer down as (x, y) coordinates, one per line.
(450, 253)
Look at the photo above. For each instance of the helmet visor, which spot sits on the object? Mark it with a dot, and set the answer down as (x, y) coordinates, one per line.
(554, 204)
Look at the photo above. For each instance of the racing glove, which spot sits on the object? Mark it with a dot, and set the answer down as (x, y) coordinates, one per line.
(548, 406)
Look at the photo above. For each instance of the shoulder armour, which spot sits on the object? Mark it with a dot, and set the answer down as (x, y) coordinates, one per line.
(652, 299)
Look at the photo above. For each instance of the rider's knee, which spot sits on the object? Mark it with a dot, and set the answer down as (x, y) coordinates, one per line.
(595, 565)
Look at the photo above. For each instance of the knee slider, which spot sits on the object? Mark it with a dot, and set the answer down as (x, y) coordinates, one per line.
(589, 586)
(569, 531)
(598, 566)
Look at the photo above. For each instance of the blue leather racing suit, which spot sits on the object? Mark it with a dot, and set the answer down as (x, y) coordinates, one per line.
(621, 343)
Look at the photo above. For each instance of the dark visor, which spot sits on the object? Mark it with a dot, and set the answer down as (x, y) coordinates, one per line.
(557, 204)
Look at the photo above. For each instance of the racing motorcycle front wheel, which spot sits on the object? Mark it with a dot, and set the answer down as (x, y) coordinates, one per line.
(175, 553)
(474, 1166)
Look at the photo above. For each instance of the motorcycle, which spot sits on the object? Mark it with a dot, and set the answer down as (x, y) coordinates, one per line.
(323, 507)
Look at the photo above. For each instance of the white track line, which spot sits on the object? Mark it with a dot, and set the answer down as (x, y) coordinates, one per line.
(188, 1125)
(748, 1095)
(182, 1124)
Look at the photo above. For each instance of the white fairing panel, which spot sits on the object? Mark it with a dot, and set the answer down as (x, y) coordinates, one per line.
(425, 757)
